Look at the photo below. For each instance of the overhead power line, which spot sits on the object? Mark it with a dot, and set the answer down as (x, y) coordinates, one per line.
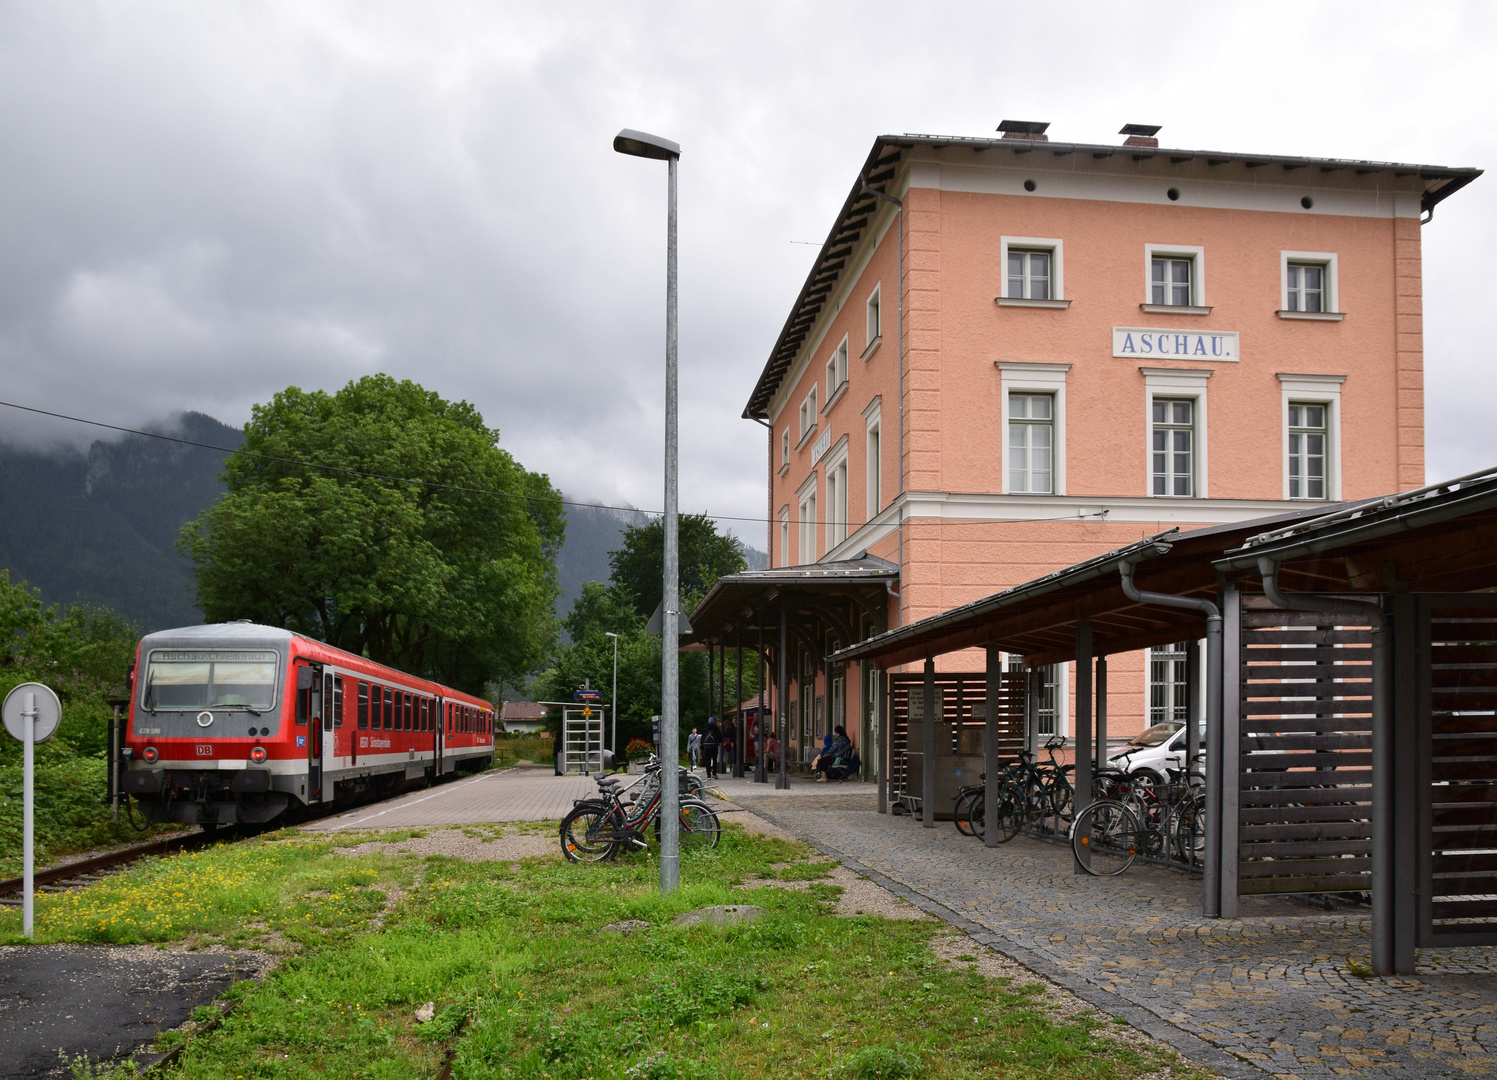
(416, 482)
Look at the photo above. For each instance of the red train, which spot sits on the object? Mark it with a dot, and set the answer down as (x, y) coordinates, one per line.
(235, 722)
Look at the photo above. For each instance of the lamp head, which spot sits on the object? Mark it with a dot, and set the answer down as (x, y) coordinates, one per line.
(642, 144)
(609, 633)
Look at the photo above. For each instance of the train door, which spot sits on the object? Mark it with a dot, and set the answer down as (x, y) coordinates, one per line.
(309, 712)
(327, 745)
(439, 736)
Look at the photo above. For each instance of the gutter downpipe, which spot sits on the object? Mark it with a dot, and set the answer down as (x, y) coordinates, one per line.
(1383, 810)
(1211, 904)
(898, 205)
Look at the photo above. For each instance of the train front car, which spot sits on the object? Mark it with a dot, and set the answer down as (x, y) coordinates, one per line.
(211, 734)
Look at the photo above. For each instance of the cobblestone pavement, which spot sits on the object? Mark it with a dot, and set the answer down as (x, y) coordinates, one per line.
(1274, 990)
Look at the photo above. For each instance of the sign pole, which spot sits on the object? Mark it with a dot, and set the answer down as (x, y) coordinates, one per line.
(28, 792)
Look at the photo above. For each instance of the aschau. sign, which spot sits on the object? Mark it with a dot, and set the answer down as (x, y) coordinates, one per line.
(1140, 342)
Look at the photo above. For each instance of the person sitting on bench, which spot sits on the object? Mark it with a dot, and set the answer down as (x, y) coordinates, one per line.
(836, 759)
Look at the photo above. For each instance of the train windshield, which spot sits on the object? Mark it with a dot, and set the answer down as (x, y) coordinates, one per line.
(210, 680)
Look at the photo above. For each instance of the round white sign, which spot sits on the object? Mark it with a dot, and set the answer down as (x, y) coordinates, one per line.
(48, 712)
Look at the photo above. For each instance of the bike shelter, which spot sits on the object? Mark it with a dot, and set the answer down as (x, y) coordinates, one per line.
(1350, 712)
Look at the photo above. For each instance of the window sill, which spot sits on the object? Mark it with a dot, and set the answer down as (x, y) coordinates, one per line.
(1313, 316)
(807, 437)
(784, 468)
(1174, 309)
(872, 347)
(1017, 301)
(836, 397)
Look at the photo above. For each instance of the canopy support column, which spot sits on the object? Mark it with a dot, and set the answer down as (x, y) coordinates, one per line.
(928, 744)
(1083, 718)
(881, 715)
(1100, 758)
(763, 725)
(740, 742)
(990, 745)
(782, 778)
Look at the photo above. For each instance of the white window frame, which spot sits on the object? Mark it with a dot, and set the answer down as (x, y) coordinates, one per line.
(1178, 383)
(1029, 378)
(1330, 292)
(873, 320)
(836, 512)
(873, 459)
(1197, 256)
(805, 534)
(1315, 390)
(785, 536)
(1056, 248)
(785, 448)
(1175, 687)
(808, 415)
(836, 373)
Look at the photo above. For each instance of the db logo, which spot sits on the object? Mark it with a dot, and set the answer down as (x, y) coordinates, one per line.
(205, 750)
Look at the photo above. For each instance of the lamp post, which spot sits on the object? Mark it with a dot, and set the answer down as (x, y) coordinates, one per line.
(640, 144)
(614, 701)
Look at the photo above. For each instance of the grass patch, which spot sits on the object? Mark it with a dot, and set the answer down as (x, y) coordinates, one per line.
(526, 984)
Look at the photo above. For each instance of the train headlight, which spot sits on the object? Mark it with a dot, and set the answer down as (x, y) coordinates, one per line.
(257, 755)
(149, 755)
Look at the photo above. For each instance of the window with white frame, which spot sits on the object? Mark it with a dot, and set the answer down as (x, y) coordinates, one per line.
(1029, 273)
(808, 413)
(1033, 431)
(1031, 441)
(785, 536)
(807, 525)
(874, 325)
(1167, 684)
(836, 370)
(1171, 281)
(1307, 450)
(836, 501)
(1173, 447)
(1049, 706)
(785, 447)
(1304, 286)
(875, 470)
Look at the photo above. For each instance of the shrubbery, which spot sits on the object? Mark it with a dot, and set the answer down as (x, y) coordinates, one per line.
(84, 653)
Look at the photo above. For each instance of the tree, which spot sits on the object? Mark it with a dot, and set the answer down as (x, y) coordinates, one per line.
(388, 522)
(705, 556)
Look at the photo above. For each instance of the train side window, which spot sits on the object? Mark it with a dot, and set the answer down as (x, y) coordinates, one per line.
(389, 713)
(410, 707)
(363, 705)
(449, 718)
(425, 714)
(374, 710)
(337, 701)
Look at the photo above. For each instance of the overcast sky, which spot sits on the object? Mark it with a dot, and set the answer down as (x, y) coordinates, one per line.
(201, 204)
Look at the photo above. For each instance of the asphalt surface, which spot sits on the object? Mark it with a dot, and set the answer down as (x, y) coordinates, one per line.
(99, 1000)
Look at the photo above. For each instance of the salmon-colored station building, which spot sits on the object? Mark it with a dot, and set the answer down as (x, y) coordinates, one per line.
(1013, 354)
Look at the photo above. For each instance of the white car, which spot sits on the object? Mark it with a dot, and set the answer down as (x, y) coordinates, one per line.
(1150, 753)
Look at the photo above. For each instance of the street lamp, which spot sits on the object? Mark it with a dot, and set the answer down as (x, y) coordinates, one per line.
(640, 144)
(614, 742)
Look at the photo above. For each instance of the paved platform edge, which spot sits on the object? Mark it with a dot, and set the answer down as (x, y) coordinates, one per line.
(1191, 1047)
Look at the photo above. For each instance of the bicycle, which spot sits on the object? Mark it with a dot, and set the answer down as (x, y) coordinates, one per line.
(595, 830)
(1144, 818)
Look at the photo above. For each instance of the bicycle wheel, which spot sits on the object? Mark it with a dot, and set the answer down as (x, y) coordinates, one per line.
(1188, 832)
(587, 835)
(1106, 838)
(961, 813)
(1062, 795)
(699, 827)
(1011, 811)
(977, 814)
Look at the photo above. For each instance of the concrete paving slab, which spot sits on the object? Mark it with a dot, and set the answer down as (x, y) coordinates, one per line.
(497, 796)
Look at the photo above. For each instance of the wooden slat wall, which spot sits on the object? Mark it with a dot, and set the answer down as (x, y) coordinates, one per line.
(961, 691)
(1462, 687)
(1305, 786)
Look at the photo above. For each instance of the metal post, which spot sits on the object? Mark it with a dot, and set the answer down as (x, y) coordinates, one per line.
(1101, 755)
(1218, 883)
(1083, 717)
(740, 744)
(881, 735)
(1194, 732)
(28, 812)
(928, 745)
(990, 746)
(1384, 883)
(670, 716)
(782, 779)
(759, 762)
(614, 704)
(114, 767)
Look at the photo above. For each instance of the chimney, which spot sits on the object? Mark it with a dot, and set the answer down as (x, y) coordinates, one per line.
(1033, 130)
(1140, 134)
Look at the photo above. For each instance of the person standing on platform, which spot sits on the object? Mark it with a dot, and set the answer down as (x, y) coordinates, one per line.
(694, 748)
(729, 751)
(711, 743)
